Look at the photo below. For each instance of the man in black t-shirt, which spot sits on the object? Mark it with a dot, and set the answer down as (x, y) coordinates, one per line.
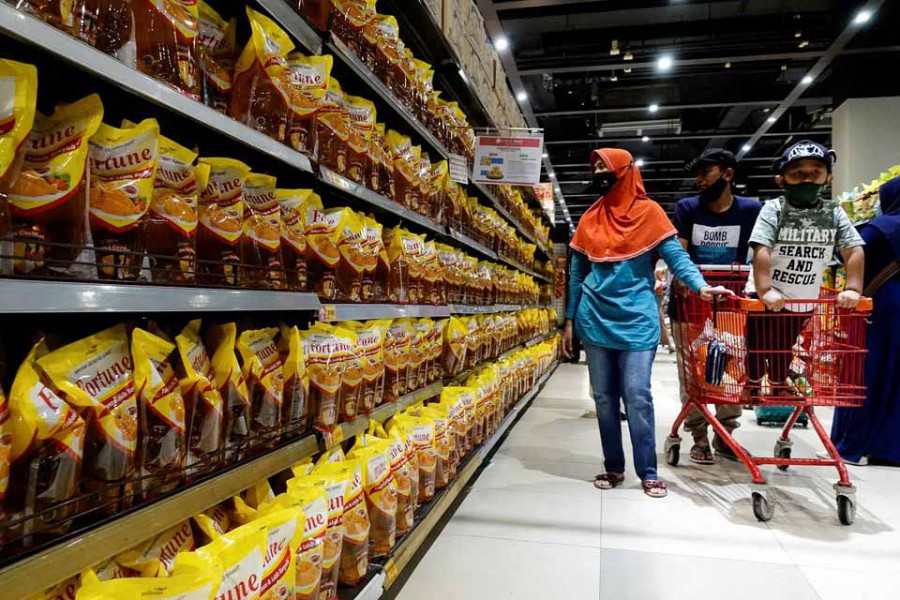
(714, 227)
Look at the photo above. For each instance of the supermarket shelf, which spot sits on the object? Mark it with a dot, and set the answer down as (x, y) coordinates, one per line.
(389, 409)
(537, 340)
(362, 312)
(345, 55)
(372, 590)
(532, 342)
(410, 545)
(517, 265)
(34, 31)
(33, 574)
(506, 214)
(465, 309)
(294, 24)
(377, 200)
(29, 296)
(467, 241)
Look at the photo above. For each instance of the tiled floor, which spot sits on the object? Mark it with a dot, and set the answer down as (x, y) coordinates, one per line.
(533, 526)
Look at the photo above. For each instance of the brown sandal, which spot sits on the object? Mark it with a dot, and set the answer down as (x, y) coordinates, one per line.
(607, 481)
(654, 488)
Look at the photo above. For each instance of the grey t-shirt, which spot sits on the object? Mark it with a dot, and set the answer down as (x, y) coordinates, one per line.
(803, 242)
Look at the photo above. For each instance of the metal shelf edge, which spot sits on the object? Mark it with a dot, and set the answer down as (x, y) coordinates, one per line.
(294, 24)
(34, 574)
(31, 296)
(387, 410)
(33, 31)
(474, 245)
(361, 312)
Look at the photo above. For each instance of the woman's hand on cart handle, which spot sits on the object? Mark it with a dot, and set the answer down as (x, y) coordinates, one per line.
(710, 293)
(848, 299)
(567, 339)
(773, 300)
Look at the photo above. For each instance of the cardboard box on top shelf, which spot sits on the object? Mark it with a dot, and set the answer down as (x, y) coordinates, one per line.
(437, 9)
(499, 76)
(471, 59)
(453, 25)
(474, 21)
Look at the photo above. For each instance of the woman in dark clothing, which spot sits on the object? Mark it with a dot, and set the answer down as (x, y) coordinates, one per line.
(874, 430)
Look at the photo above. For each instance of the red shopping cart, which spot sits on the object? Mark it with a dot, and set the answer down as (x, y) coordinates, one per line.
(736, 352)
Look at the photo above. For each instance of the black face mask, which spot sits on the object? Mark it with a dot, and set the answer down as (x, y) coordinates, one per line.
(713, 192)
(601, 183)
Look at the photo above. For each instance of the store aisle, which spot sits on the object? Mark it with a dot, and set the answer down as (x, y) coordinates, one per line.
(533, 526)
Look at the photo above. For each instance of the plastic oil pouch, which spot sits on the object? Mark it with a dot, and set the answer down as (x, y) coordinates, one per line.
(233, 388)
(333, 129)
(165, 35)
(292, 204)
(18, 84)
(197, 585)
(261, 262)
(295, 409)
(95, 374)
(322, 254)
(264, 376)
(380, 491)
(370, 353)
(240, 554)
(350, 240)
(362, 126)
(156, 557)
(326, 359)
(396, 359)
(215, 52)
(308, 76)
(221, 215)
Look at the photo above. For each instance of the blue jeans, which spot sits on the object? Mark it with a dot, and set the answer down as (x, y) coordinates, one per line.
(624, 374)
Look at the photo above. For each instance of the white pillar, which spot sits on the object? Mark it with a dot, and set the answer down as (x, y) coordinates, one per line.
(866, 134)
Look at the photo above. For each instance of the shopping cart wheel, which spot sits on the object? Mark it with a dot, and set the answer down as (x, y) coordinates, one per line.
(673, 450)
(762, 508)
(783, 450)
(784, 453)
(846, 510)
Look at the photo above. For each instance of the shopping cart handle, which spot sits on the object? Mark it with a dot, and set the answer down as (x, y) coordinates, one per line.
(865, 305)
(756, 305)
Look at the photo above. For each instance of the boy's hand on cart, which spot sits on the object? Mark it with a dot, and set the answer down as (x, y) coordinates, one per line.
(848, 299)
(773, 300)
(710, 293)
(567, 339)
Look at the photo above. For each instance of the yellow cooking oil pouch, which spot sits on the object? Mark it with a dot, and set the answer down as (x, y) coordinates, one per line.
(313, 501)
(18, 82)
(262, 370)
(231, 384)
(284, 530)
(240, 556)
(380, 491)
(195, 585)
(156, 557)
(212, 523)
(295, 413)
(205, 430)
(334, 481)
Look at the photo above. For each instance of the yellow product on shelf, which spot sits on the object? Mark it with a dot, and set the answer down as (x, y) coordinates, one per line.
(370, 353)
(422, 432)
(402, 471)
(16, 117)
(233, 388)
(156, 556)
(295, 410)
(284, 531)
(263, 372)
(237, 558)
(198, 584)
(381, 493)
(211, 524)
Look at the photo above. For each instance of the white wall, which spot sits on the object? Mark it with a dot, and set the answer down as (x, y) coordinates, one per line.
(866, 134)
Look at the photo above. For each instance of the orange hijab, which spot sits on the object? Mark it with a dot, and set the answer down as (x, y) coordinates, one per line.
(624, 223)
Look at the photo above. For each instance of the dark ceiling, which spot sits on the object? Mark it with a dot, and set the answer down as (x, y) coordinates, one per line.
(734, 63)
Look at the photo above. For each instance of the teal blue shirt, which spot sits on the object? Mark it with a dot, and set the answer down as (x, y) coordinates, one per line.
(613, 303)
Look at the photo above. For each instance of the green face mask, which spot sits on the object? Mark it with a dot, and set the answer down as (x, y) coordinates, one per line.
(803, 195)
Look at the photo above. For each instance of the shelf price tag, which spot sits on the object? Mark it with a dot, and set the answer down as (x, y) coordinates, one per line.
(328, 312)
(459, 169)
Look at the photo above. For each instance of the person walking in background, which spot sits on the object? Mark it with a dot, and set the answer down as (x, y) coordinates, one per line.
(661, 287)
(793, 241)
(873, 431)
(612, 308)
(714, 227)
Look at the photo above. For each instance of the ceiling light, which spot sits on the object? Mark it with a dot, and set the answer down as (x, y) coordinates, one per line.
(552, 175)
(664, 63)
(639, 163)
(803, 44)
(522, 96)
(501, 43)
(862, 16)
(767, 110)
(628, 56)
(746, 147)
(653, 107)
(728, 65)
(627, 70)
(806, 80)
(798, 35)
(614, 48)
(771, 119)
(613, 78)
(646, 138)
(784, 67)
(544, 155)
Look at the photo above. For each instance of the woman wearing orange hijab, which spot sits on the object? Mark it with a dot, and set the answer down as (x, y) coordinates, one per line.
(612, 307)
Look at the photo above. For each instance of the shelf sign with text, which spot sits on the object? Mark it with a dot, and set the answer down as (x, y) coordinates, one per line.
(544, 193)
(515, 160)
(459, 169)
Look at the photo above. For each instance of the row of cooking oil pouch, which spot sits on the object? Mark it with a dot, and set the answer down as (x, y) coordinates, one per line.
(334, 517)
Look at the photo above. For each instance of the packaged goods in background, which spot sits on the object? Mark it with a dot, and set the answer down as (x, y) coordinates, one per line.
(335, 483)
(327, 356)
(165, 36)
(16, 120)
(443, 442)
(427, 192)
(155, 557)
(422, 432)
(435, 348)
(284, 529)
(171, 223)
(46, 450)
(96, 375)
(49, 198)
(200, 585)
(216, 50)
(348, 21)
(455, 347)
(440, 182)
(211, 524)
(456, 430)
(123, 168)
(204, 407)
(354, 561)
(295, 409)
(396, 359)
(293, 206)
(473, 341)
(261, 97)
(238, 559)
(380, 276)
(333, 129)
(162, 444)
(263, 373)
(405, 252)
(381, 493)
(362, 126)
(261, 261)
(308, 557)
(347, 347)
(322, 254)
(221, 214)
(370, 354)
(233, 389)
(416, 371)
(400, 466)
(465, 398)
(386, 171)
(350, 239)
(433, 291)
(388, 51)
(309, 78)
